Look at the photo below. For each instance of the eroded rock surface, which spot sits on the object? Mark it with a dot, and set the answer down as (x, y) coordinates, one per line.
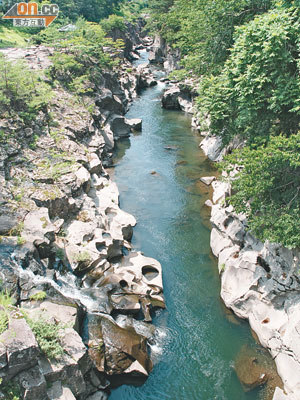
(260, 282)
(66, 256)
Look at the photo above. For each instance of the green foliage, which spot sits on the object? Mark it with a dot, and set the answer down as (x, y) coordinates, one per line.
(83, 256)
(17, 230)
(12, 37)
(38, 296)
(22, 92)
(113, 22)
(5, 299)
(47, 336)
(222, 268)
(268, 189)
(5, 302)
(10, 390)
(80, 55)
(202, 29)
(3, 321)
(131, 10)
(20, 240)
(258, 92)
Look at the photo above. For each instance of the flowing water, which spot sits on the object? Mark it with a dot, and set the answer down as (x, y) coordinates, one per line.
(157, 172)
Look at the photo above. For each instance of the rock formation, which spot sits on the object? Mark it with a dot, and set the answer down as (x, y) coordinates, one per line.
(260, 283)
(65, 252)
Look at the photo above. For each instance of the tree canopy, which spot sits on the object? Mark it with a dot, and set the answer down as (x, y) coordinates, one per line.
(267, 189)
(246, 54)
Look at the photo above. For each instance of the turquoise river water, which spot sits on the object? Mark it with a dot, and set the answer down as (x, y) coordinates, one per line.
(198, 342)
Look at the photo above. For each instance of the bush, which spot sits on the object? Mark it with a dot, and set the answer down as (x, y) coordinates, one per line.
(47, 336)
(267, 189)
(5, 302)
(202, 30)
(80, 57)
(22, 91)
(11, 390)
(113, 22)
(258, 93)
(38, 296)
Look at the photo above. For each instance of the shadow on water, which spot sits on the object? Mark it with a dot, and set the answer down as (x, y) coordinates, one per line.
(197, 340)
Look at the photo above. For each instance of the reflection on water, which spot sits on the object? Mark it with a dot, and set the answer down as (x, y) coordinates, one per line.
(196, 344)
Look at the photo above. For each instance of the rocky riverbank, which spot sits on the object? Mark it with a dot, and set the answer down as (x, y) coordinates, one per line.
(65, 253)
(259, 281)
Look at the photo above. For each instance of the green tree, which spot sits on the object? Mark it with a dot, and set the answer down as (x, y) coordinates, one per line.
(21, 91)
(202, 29)
(267, 189)
(258, 92)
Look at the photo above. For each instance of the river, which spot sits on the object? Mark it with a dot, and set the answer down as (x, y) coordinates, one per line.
(198, 341)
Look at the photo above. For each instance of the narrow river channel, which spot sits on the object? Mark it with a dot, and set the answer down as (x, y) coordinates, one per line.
(157, 172)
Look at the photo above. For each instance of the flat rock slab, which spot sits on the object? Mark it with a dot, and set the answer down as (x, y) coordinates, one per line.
(207, 180)
(135, 123)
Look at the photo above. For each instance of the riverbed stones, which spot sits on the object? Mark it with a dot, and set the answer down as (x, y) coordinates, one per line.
(37, 226)
(120, 127)
(170, 98)
(7, 223)
(100, 395)
(212, 147)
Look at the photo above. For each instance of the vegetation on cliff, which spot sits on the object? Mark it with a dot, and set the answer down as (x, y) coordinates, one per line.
(22, 92)
(246, 54)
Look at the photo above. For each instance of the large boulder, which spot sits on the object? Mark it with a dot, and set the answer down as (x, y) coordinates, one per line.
(37, 226)
(170, 98)
(7, 223)
(213, 148)
(135, 124)
(117, 350)
(32, 384)
(21, 347)
(158, 51)
(119, 126)
(57, 391)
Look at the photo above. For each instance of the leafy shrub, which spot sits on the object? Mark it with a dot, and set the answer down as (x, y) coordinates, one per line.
(38, 296)
(268, 189)
(202, 30)
(11, 390)
(5, 302)
(47, 336)
(80, 56)
(258, 93)
(113, 22)
(83, 256)
(3, 321)
(21, 91)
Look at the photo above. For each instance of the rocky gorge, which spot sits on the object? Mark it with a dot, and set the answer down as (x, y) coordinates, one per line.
(66, 258)
(65, 254)
(259, 281)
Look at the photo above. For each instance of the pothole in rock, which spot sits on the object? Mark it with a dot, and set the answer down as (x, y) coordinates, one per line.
(100, 247)
(149, 272)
